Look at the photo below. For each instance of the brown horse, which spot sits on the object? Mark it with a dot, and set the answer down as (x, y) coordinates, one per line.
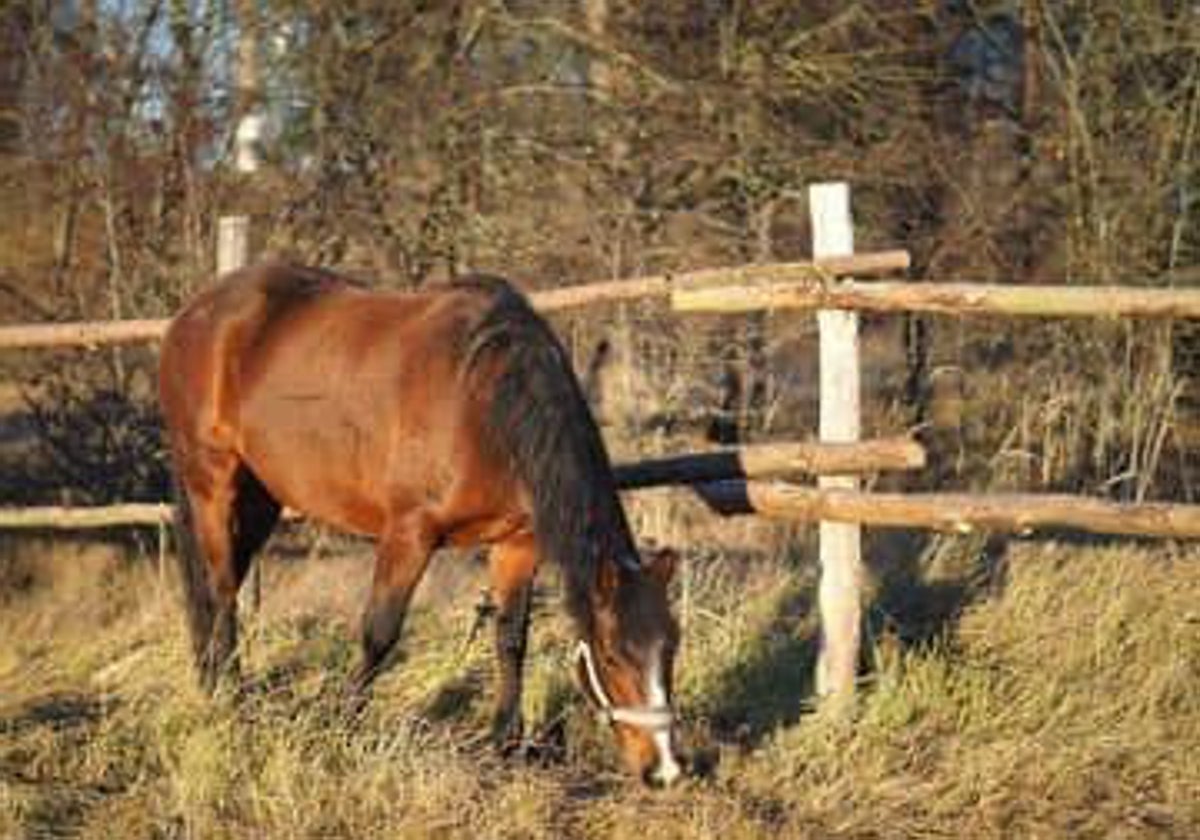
(441, 417)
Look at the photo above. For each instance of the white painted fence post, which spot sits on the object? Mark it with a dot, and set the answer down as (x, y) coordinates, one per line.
(840, 544)
(233, 252)
(233, 243)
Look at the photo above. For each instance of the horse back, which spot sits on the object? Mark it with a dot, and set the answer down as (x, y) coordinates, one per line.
(204, 350)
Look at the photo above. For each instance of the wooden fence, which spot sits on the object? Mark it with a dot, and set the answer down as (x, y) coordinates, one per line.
(752, 462)
(745, 479)
(90, 334)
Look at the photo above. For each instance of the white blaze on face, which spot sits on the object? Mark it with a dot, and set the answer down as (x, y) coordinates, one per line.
(668, 769)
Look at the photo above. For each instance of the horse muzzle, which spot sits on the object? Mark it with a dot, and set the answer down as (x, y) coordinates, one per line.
(654, 722)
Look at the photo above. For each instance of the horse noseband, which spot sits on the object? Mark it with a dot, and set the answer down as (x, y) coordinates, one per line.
(650, 718)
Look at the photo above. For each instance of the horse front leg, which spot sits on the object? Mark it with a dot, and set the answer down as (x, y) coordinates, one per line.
(512, 565)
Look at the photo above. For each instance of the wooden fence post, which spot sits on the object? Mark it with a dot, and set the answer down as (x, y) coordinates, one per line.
(840, 543)
(233, 252)
(233, 243)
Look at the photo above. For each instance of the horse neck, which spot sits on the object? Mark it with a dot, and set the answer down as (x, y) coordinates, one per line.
(537, 416)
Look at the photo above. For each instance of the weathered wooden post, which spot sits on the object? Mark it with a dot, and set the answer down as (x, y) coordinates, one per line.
(233, 232)
(840, 543)
(233, 243)
(233, 252)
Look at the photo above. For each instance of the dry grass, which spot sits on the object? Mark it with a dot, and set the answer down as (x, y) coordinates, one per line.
(1062, 703)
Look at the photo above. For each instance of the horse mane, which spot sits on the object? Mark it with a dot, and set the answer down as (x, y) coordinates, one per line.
(537, 415)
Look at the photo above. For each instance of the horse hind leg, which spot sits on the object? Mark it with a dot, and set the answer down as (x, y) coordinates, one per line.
(401, 559)
(193, 572)
(252, 517)
(255, 514)
(512, 565)
(208, 481)
(231, 515)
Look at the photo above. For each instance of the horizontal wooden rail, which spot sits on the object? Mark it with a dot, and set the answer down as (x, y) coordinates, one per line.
(662, 285)
(82, 518)
(948, 512)
(946, 298)
(955, 512)
(765, 460)
(81, 333)
(774, 460)
(59, 518)
(752, 289)
(95, 333)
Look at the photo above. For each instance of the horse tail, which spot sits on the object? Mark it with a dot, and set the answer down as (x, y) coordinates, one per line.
(193, 572)
(538, 417)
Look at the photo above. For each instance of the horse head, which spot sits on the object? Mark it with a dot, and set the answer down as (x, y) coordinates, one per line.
(624, 664)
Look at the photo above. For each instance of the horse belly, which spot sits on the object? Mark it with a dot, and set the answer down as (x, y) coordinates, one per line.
(315, 463)
(313, 435)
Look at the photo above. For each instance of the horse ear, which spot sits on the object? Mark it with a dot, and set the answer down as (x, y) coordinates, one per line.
(660, 564)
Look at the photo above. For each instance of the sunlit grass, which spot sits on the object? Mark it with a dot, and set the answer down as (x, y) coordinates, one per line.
(1062, 704)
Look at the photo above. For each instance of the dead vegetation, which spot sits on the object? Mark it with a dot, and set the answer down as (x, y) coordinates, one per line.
(1054, 697)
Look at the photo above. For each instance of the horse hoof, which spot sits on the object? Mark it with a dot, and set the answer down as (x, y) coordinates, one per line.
(352, 705)
(222, 684)
(543, 749)
(508, 738)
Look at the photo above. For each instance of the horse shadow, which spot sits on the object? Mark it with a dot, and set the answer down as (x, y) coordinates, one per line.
(57, 712)
(454, 700)
(921, 596)
(775, 687)
(60, 809)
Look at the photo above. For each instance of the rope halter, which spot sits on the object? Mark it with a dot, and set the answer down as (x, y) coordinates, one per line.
(652, 719)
